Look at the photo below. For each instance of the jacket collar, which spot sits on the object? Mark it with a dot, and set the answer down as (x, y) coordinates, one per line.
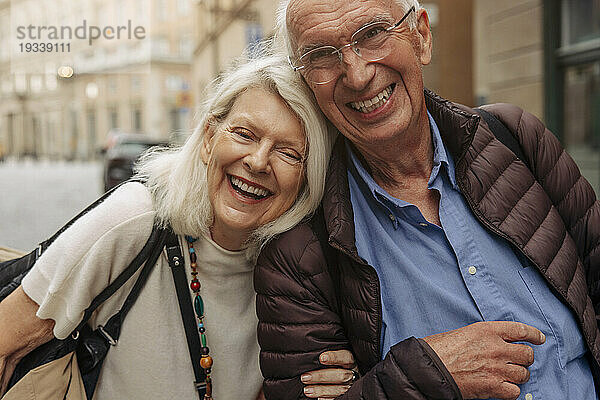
(457, 126)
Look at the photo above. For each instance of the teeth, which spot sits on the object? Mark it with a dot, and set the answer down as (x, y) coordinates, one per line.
(367, 106)
(247, 188)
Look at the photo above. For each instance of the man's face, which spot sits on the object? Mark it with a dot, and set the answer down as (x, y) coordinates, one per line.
(394, 84)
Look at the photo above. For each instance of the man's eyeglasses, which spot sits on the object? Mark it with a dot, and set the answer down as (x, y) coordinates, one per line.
(322, 65)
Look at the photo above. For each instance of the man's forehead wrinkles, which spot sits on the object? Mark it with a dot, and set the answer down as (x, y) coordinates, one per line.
(331, 23)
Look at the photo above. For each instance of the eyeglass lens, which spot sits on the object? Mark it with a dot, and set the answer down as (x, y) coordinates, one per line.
(322, 65)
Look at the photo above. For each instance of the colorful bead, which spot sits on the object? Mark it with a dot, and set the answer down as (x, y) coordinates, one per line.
(199, 305)
(206, 362)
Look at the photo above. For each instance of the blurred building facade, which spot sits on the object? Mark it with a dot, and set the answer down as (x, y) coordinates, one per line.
(62, 104)
(225, 30)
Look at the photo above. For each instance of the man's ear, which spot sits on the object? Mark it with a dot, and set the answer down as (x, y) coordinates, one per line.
(425, 37)
(207, 140)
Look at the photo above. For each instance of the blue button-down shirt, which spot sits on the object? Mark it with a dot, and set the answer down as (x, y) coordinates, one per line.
(435, 279)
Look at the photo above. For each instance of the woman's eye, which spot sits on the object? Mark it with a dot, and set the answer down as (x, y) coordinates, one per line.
(290, 155)
(243, 133)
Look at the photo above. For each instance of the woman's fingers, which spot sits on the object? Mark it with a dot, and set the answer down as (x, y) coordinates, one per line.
(325, 391)
(335, 376)
(340, 358)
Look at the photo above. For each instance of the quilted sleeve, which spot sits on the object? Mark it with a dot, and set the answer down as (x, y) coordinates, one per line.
(568, 190)
(298, 320)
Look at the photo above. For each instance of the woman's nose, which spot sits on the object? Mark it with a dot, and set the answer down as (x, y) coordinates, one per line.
(258, 159)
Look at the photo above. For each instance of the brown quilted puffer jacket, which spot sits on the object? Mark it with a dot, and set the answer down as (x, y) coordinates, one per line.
(310, 301)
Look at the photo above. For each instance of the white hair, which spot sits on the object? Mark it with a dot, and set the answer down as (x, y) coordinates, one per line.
(176, 177)
(284, 40)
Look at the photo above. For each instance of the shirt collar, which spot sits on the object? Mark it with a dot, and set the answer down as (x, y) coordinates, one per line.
(368, 184)
(440, 155)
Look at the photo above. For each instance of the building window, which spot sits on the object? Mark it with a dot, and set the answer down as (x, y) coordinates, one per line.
(581, 21)
(161, 9)
(137, 119)
(136, 84)
(91, 130)
(161, 46)
(113, 118)
(254, 36)
(183, 7)
(573, 82)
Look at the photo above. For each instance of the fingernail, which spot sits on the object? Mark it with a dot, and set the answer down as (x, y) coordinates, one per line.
(309, 390)
(305, 377)
(324, 358)
(542, 337)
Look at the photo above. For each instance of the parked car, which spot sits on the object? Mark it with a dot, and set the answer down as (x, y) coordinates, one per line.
(122, 151)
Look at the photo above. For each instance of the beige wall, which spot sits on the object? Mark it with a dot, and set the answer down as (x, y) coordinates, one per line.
(451, 69)
(508, 40)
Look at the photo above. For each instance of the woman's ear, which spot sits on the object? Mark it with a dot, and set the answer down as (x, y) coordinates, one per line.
(207, 139)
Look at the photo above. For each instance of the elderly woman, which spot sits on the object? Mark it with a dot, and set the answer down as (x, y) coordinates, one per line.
(253, 168)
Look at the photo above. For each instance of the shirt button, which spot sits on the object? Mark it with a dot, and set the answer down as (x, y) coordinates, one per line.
(473, 271)
(528, 396)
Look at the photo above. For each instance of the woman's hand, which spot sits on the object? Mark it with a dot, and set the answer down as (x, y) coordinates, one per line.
(329, 383)
(21, 332)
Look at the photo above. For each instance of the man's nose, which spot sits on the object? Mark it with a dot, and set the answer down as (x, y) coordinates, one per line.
(357, 73)
(258, 160)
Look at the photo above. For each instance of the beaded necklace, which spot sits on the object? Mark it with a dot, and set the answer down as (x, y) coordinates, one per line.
(206, 361)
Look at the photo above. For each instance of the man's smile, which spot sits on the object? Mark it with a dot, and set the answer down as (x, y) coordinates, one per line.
(374, 103)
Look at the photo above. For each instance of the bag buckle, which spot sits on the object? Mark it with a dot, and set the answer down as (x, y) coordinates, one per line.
(106, 336)
(200, 385)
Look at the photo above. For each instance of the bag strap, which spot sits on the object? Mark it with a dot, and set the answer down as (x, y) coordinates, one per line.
(503, 134)
(112, 329)
(177, 264)
(152, 248)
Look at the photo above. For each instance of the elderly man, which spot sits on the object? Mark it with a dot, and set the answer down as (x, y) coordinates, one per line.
(448, 266)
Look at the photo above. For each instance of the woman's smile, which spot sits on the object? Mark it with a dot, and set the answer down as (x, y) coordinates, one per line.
(248, 191)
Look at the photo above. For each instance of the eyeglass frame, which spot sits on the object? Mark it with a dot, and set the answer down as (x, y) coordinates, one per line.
(339, 50)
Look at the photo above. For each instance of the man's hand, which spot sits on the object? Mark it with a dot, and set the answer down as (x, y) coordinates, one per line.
(329, 383)
(483, 360)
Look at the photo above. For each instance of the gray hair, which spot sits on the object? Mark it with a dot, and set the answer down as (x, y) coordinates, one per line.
(176, 177)
(284, 40)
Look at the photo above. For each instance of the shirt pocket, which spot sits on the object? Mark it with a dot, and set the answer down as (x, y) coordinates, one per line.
(559, 317)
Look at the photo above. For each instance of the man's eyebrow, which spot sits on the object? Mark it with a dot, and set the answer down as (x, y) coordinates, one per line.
(377, 18)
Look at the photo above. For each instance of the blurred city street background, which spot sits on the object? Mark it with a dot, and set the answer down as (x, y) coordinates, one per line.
(86, 85)
(39, 197)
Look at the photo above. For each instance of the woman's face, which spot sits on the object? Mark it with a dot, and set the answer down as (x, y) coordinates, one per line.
(255, 165)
